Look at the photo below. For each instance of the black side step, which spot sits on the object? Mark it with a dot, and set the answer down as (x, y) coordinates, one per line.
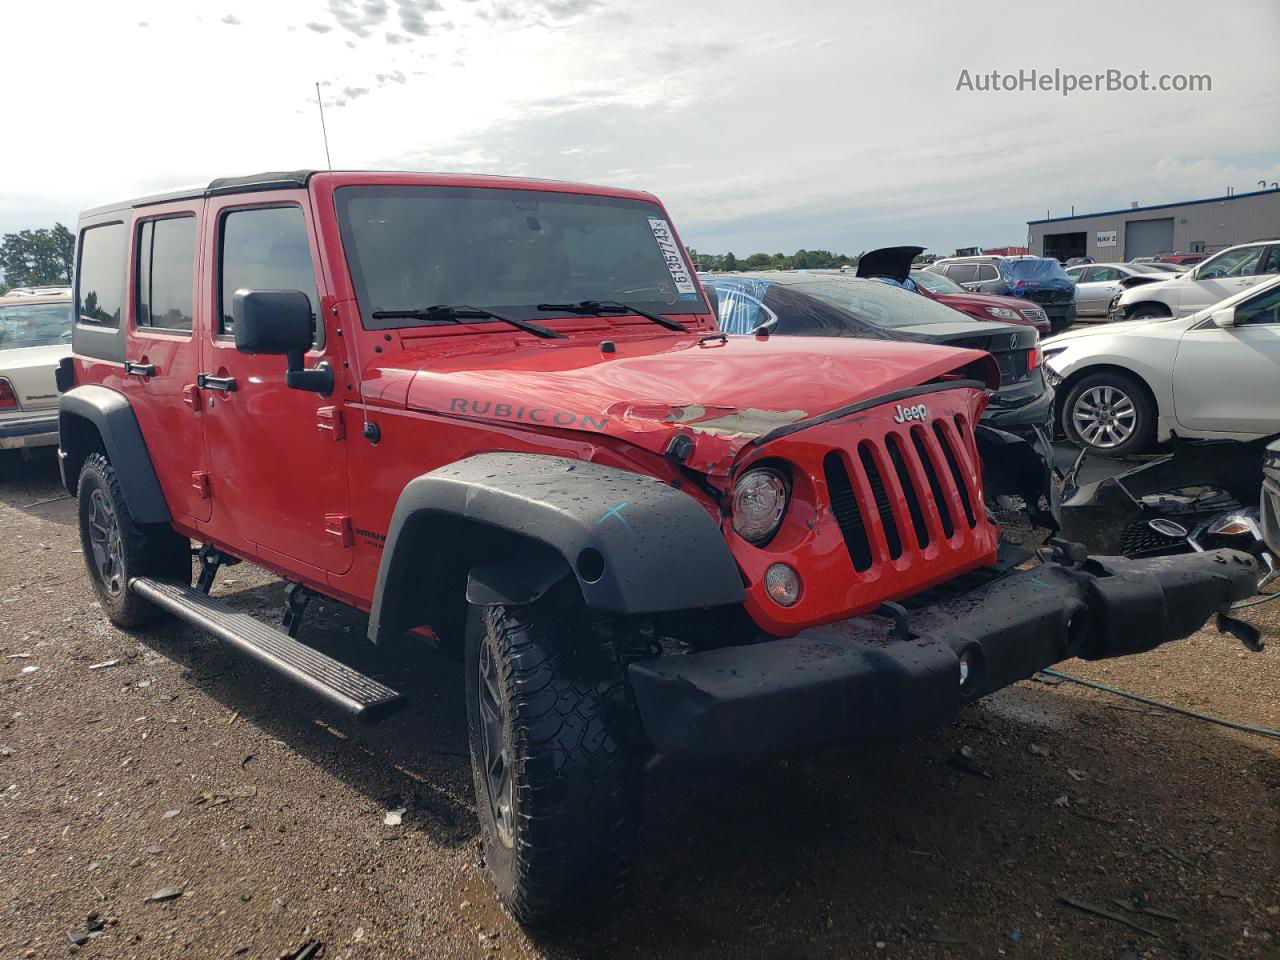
(366, 698)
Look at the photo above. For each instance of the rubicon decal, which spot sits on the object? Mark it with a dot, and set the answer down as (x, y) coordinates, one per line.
(903, 414)
(527, 413)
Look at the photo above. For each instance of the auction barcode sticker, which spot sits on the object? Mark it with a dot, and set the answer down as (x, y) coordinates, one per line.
(680, 276)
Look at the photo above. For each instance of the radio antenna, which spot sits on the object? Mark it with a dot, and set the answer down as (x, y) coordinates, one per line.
(323, 132)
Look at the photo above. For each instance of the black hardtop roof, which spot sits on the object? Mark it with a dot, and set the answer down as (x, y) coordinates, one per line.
(272, 180)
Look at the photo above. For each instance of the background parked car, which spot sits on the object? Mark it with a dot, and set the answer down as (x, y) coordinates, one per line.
(1213, 374)
(1099, 283)
(831, 305)
(35, 334)
(1221, 276)
(894, 263)
(1038, 279)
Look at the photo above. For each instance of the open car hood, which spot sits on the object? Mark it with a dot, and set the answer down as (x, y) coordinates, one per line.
(722, 392)
(892, 262)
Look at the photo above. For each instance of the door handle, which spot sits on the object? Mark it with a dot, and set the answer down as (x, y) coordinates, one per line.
(208, 382)
(134, 369)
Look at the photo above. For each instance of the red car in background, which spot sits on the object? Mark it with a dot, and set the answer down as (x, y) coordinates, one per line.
(894, 263)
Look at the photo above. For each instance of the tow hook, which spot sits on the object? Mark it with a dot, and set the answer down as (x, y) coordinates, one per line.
(1246, 633)
(1066, 552)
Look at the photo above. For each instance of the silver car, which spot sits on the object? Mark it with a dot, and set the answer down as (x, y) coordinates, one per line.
(1097, 284)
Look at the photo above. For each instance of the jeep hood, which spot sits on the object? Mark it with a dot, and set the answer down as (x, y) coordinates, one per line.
(721, 393)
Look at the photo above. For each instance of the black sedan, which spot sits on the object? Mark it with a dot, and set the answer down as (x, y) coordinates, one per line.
(835, 305)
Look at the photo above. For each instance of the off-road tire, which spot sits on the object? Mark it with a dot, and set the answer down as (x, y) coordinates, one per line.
(1143, 434)
(569, 727)
(151, 550)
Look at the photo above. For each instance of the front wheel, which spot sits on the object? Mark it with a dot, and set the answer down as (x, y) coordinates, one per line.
(557, 774)
(117, 549)
(1109, 413)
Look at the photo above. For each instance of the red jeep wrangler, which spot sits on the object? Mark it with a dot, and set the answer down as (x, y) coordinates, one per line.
(497, 413)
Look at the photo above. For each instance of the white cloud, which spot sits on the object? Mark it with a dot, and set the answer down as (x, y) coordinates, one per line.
(762, 125)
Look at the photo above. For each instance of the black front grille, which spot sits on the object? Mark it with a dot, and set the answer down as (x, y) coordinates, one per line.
(909, 491)
(881, 496)
(845, 506)
(1049, 296)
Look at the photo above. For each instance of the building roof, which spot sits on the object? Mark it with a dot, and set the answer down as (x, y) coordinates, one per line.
(1157, 206)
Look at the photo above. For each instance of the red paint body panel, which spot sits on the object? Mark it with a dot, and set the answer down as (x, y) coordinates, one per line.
(294, 485)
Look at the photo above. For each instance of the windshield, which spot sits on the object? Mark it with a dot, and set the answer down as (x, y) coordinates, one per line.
(936, 282)
(1033, 270)
(879, 303)
(35, 324)
(509, 251)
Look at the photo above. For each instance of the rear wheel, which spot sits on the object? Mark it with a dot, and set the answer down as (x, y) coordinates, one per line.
(557, 776)
(1109, 413)
(117, 549)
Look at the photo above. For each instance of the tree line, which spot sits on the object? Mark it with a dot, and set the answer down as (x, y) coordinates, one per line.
(36, 258)
(800, 260)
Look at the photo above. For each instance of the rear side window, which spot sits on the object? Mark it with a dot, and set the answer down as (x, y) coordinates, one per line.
(986, 272)
(963, 272)
(100, 275)
(266, 249)
(166, 273)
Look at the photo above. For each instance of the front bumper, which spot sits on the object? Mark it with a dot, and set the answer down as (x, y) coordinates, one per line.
(37, 431)
(854, 681)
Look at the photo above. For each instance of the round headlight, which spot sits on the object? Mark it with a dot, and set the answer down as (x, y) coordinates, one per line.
(759, 501)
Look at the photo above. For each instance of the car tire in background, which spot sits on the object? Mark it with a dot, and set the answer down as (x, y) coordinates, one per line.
(1147, 311)
(1109, 413)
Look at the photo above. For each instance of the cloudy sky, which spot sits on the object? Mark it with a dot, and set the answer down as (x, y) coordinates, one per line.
(762, 125)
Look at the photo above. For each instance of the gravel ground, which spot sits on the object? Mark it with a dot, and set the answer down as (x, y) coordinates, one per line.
(136, 766)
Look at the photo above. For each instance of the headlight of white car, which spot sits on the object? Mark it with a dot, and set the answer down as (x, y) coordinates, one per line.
(1003, 313)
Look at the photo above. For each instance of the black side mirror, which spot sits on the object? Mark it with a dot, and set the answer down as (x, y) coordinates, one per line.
(280, 322)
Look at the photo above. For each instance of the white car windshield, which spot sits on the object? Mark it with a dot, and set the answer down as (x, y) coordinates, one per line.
(34, 324)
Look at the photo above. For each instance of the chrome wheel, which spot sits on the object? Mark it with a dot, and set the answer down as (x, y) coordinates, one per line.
(497, 758)
(104, 540)
(1104, 416)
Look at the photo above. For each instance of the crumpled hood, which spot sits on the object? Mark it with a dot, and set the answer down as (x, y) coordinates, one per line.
(1101, 330)
(722, 393)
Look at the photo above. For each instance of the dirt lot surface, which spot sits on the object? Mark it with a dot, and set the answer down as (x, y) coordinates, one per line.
(163, 764)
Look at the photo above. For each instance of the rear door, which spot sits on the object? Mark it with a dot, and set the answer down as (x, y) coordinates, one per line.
(1228, 379)
(162, 354)
(277, 456)
(1096, 288)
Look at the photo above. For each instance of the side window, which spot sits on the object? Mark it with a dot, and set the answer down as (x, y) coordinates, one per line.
(963, 272)
(1241, 262)
(987, 272)
(100, 275)
(266, 249)
(1075, 274)
(1272, 262)
(166, 273)
(1261, 309)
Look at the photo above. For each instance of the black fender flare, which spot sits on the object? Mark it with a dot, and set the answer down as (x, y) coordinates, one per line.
(634, 544)
(111, 415)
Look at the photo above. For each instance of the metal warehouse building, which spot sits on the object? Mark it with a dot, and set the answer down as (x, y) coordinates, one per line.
(1195, 226)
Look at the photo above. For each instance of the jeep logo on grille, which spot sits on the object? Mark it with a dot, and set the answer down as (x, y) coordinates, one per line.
(902, 414)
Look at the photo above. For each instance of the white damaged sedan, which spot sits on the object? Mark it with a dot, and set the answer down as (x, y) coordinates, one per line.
(1123, 387)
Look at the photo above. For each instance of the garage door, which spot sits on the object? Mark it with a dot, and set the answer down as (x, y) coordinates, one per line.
(1146, 238)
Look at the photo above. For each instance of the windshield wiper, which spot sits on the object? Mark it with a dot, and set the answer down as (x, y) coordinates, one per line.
(603, 307)
(442, 313)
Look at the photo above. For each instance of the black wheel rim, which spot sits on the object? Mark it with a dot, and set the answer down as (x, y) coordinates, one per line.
(104, 541)
(497, 758)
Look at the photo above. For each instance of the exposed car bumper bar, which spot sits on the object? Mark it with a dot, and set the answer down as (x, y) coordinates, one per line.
(29, 431)
(851, 680)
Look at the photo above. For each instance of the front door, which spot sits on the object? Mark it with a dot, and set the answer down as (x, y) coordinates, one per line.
(1228, 379)
(162, 353)
(277, 456)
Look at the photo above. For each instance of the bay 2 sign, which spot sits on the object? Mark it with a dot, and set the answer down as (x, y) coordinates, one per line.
(1105, 238)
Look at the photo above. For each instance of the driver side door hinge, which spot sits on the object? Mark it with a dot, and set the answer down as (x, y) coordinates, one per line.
(338, 526)
(329, 420)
